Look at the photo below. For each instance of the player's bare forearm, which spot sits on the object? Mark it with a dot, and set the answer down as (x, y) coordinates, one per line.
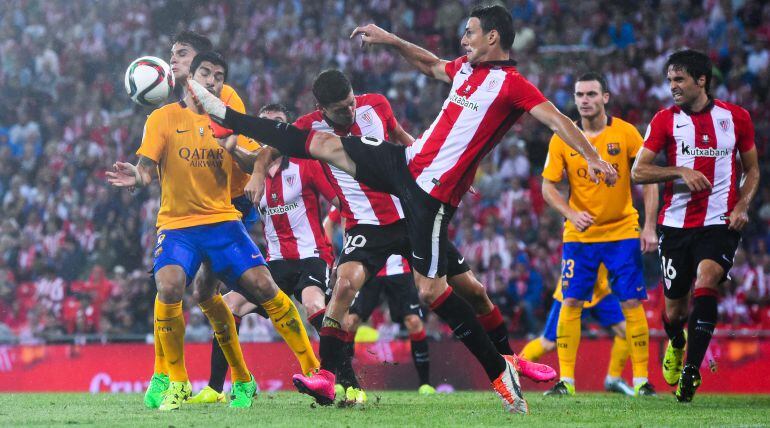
(649, 173)
(650, 193)
(571, 134)
(145, 170)
(750, 183)
(555, 199)
(244, 158)
(424, 60)
(400, 136)
(262, 160)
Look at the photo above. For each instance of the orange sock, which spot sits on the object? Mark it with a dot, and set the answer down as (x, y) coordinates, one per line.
(160, 361)
(223, 323)
(170, 321)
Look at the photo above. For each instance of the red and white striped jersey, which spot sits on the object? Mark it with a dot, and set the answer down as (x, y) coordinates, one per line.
(291, 213)
(360, 204)
(707, 141)
(395, 265)
(484, 102)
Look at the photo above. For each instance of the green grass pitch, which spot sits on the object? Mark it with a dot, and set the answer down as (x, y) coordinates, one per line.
(391, 408)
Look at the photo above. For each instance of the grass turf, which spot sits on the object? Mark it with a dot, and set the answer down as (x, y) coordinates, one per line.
(391, 408)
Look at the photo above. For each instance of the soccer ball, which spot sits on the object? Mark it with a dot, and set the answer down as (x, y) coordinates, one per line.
(149, 81)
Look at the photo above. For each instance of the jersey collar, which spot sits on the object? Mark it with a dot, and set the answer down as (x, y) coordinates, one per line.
(706, 109)
(492, 64)
(579, 122)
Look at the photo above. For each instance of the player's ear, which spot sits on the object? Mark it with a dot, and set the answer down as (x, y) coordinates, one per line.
(492, 37)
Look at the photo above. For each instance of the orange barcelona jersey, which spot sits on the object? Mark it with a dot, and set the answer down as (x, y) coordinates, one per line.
(194, 171)
(239, 178)
(601, 288)
(615, 218)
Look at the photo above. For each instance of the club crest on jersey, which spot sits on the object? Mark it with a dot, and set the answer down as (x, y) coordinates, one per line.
(724, 124)
(613, 149)
(367, 117)
(492, 85)
(290, 179)
(274, 196)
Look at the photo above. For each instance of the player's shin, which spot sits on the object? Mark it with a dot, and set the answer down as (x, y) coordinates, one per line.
(289, 140)
(494, 325)
(456, 312)
(219, 364)
(288, 324)
(618, 357)
(638, 338)
(568, 340)
(421, 356)
(700, 327)
(170, 321)
(223, 323)
(160, 367)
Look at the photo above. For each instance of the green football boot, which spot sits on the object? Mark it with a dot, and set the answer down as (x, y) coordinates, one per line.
(243, 394)
(158, 384)
(176, 393)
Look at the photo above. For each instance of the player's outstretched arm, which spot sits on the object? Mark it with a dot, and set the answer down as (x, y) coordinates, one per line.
(128, 175)
(424, 60)
(581, 219)
(645, 172)
(560, 124)
(750, 182)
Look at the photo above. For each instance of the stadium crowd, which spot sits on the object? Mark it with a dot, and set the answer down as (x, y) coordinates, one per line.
(74, 253)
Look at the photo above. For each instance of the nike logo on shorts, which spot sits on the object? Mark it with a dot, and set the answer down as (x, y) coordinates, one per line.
(418, 258)
(310, 277)
(460, 260)
(414, 306)
(254, 256)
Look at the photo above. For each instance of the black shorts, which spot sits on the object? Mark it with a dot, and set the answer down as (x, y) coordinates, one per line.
(682, 250)
(382, 166)
(293, 276)
(399, 291)
(372, 245)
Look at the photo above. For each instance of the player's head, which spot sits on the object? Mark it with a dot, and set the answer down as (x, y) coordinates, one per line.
(210, 70)
(591, 95)
(689, 76)
(184, 47)
(275, 111)
(335, 98)
(489, 29)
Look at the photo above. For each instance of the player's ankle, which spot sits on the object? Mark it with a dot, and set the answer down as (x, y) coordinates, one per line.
(640, 381)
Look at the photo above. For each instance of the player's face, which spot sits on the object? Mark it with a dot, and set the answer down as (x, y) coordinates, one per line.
(211, 76)
(274, 115)
(684, 88)
(342, 112)
(182, 55)
(590, 99)
(474, 42)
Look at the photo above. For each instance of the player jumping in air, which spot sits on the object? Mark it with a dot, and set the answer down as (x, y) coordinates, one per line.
(488, 95)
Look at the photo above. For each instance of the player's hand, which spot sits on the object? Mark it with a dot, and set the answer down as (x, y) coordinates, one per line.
(649, 240)
(124, 175)
(371, 35)
(254, 190)
(581, 219)
(599, 169)
(228, 143)
(695, 180)
(739, 217)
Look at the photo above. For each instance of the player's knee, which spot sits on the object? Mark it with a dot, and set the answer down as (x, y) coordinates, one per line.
(259, 283)
(709, 275)
(573, 303)
(630, 303)
(473, 292)
(324, 144)
(313, 306)
(170, 291)
(413, 324)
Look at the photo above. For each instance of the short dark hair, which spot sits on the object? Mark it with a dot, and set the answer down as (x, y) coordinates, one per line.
(211, 56)
(695, 63)
(594, 76)
(198, 41)
(496, 17)
(276, 107)
(331, 86)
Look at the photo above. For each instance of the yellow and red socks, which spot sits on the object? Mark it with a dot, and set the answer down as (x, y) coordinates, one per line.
(317, 320)
(494, 325)
(618, 357)
(288, 324)
(421, 356)
(638, 338)
(169, 319)
(534, 350)
(459, 315)
(160, 361)
(568, 340)
(700, 327)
